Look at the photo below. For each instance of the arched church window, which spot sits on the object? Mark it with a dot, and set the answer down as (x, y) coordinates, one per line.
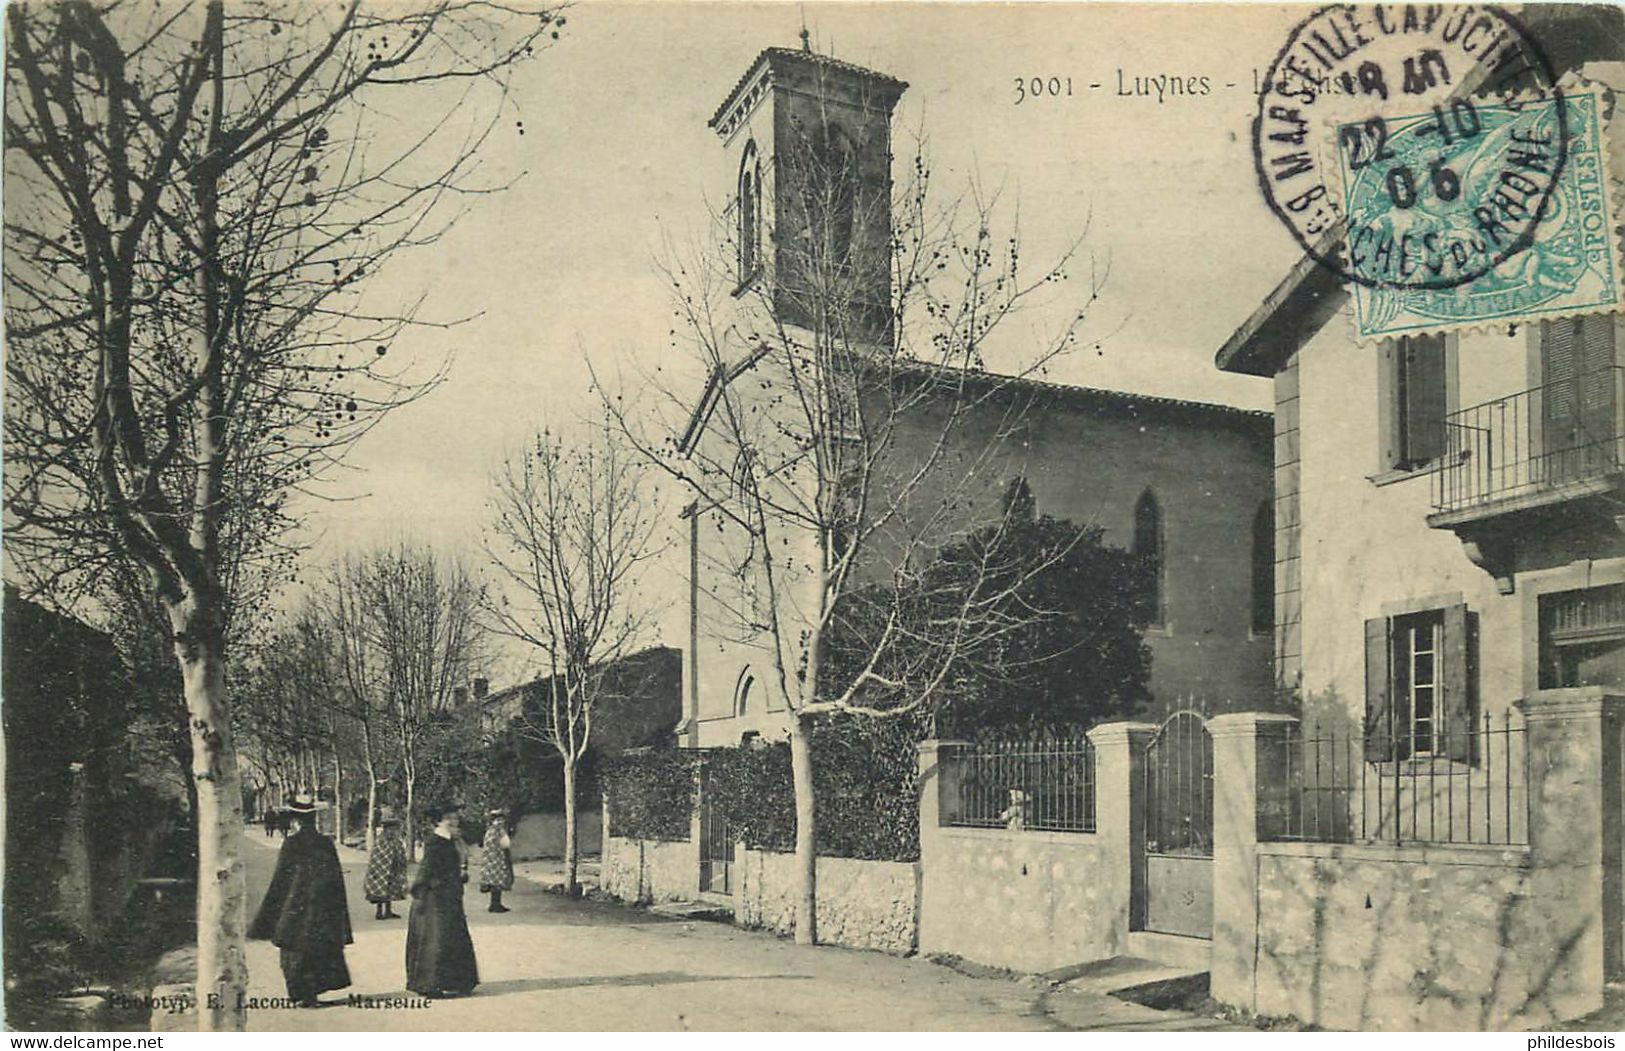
(1149, 547)
(742, 692)
(1263, 568)
(750, 214)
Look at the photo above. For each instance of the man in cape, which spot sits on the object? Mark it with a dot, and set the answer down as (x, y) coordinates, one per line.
(304, 912)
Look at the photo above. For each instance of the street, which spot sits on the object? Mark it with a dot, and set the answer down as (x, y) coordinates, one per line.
(555, 964)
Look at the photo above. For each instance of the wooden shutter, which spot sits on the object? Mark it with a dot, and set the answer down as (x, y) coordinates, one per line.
(1557, 369)
(1456, 675)
(1597, 343)
(1380, 730)
(1597, 390)
(1424, 406)
(1393, 408)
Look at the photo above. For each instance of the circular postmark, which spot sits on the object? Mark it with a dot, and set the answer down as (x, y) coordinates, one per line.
(1410, 146)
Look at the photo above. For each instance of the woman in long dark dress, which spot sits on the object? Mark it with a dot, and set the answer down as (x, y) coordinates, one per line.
(304, 912)
(439, 951)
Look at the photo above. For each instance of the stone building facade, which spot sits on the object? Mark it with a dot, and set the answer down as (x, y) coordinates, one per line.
(1450, 602)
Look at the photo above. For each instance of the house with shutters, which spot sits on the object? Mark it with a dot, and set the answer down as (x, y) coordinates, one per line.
(1450, 612)
(1448, 543)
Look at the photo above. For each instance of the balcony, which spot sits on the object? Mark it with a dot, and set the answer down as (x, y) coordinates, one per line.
(1560, 445)
(1542, 446)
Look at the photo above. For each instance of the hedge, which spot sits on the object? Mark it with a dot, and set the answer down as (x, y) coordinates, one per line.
(864, 781)
(864, 786)
(651, 793)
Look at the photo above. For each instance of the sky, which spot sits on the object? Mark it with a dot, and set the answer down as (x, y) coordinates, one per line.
(615, 161)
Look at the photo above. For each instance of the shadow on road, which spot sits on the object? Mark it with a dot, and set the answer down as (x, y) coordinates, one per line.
(526, 985)
(534, 985)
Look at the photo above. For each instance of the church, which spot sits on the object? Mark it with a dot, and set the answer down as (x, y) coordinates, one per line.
(810, 231)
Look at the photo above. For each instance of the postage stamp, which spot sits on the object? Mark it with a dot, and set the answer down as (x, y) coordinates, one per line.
(1468, 215)
(1431, 158)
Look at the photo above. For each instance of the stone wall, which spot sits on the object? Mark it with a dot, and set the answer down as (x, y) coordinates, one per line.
(542, 835)
(1427, 935)
(1414, 937)
(861, 904)
(650, 871)
(1029, 901)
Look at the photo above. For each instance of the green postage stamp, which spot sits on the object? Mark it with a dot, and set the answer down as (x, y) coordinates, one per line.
(1478, 213)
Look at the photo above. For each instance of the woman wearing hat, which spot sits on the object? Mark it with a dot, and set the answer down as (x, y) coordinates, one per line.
(496, 860)
(386, 867)
(439, 951)
(304, 912)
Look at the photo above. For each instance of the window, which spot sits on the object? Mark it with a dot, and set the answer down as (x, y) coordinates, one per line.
(1018, 503)
(1419, 685)
(750, 215)
(1263, 564)
(1417, 401)
(1582, 638)
(742, 692)
(1148, 547)
(830, 190)
(1578, 392)
(1416, 645)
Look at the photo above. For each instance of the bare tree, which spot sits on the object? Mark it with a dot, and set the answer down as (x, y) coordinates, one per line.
(285, 703)
(572, 527)
(425, 637)
(345, 602)
(195, 197)
(850, 428)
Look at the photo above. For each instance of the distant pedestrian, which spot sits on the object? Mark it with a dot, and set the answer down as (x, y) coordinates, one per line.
(304, 912)
(385, 882)
(496, 860)
(270, 823)
(439, 951)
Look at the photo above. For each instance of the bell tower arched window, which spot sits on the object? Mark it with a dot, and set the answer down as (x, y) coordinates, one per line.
(833, 186)
(1149, 547)
(750, 214)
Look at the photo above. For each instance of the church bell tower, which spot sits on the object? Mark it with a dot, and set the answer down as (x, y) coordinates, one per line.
(810, 214)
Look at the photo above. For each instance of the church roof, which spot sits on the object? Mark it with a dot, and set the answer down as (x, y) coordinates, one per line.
(789, 55)
(1116, 402)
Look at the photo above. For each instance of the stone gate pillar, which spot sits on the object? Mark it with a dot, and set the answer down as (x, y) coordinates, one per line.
(939, 795)
(1574, 764)
(1248, 756)
(1120, 821)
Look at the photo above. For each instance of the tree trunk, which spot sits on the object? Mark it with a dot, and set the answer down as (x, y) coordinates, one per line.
(222, 970)
(801, 774)
(571, 887)
(410, 819)
(338, 798)
(372, 801)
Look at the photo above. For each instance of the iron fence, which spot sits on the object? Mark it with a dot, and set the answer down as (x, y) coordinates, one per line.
(1470, 787)
(1042, 784)
(1178, 773)
(1567, 431)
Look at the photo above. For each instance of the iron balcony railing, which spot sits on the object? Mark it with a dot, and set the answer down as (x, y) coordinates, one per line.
(1041, 784)
(1533, 443)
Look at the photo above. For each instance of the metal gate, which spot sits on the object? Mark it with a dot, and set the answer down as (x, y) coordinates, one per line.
(1178, 855)
(716, 846)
